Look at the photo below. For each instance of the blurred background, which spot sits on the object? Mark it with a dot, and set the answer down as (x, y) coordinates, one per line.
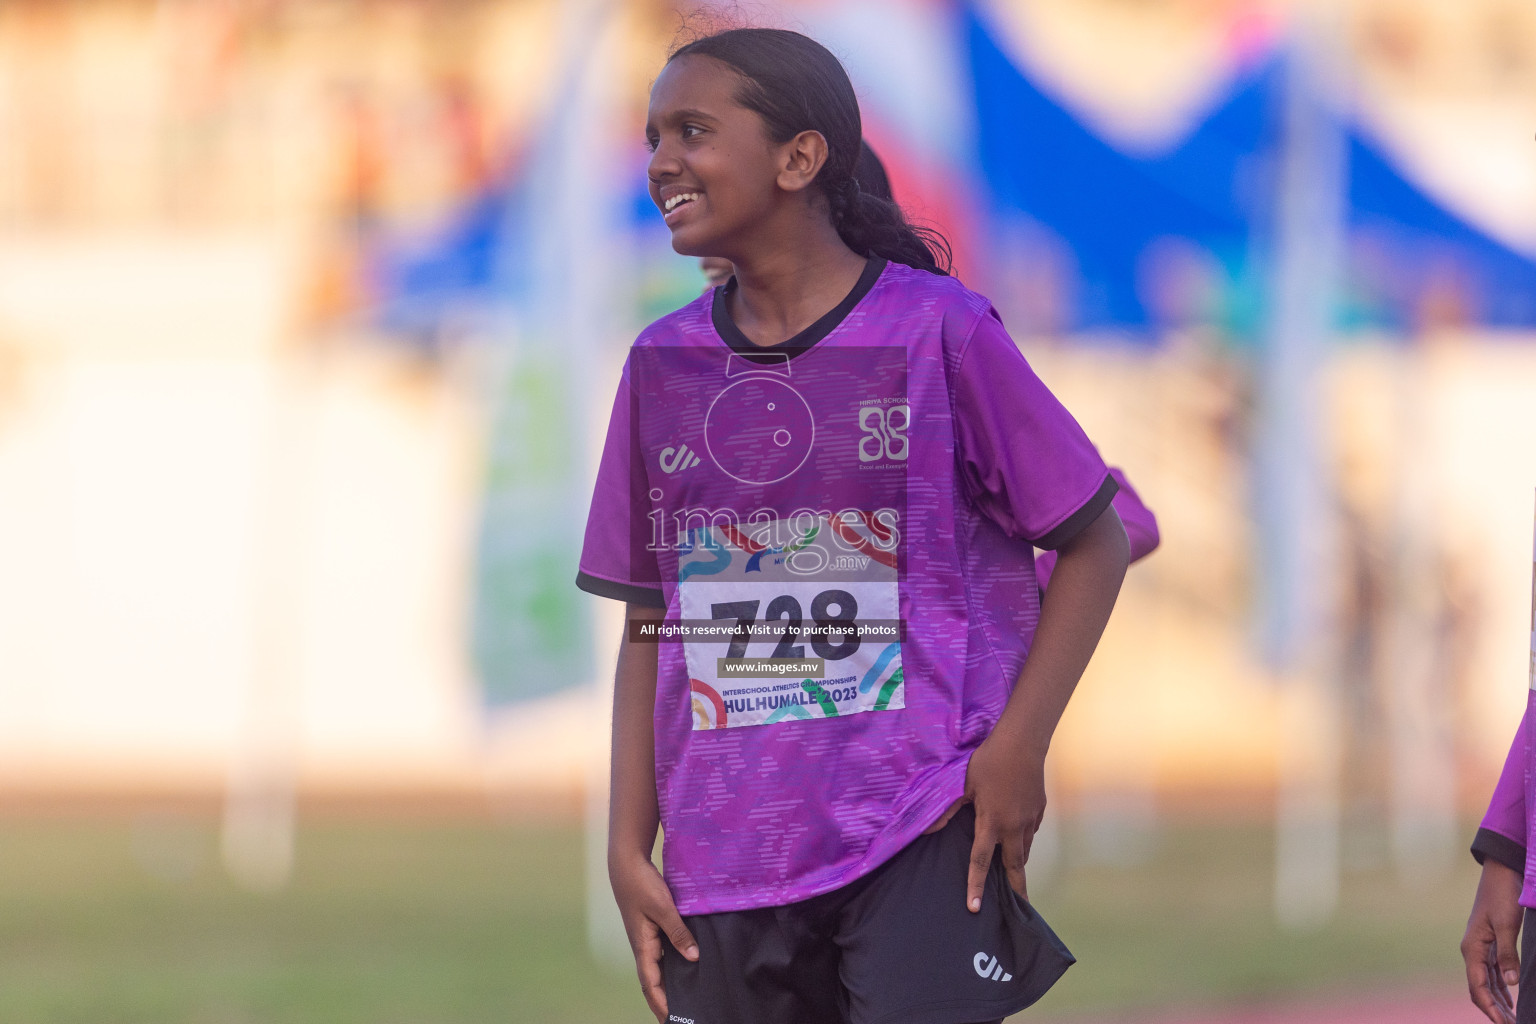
(311, 313)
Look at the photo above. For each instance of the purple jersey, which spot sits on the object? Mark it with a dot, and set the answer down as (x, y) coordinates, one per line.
(840, 528)
(1508, 832)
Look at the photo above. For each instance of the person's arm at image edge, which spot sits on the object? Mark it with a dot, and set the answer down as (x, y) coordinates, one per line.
(1488, 948)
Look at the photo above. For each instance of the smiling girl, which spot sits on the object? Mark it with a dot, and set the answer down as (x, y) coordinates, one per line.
(820, 490)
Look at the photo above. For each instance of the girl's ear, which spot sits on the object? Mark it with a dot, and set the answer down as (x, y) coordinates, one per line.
(801, 158)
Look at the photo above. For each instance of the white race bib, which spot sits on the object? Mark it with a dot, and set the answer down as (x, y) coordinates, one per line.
(833, 575)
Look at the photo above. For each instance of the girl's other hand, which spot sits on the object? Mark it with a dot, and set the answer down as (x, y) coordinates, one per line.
(648, 910)
(1006, 782)
(1493, 967)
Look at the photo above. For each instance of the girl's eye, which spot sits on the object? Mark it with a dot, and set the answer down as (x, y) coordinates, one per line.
(687, 131)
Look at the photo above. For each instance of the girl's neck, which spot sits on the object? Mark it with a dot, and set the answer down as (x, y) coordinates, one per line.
(788, 287)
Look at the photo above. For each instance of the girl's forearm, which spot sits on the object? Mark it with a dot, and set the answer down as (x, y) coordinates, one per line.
(1073, 613)
(633, 815)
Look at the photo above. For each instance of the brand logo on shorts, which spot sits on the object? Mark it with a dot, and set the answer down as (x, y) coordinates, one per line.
(988, 967)
(674, 460)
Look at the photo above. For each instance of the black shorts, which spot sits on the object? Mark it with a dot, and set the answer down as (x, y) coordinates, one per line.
(897, 946)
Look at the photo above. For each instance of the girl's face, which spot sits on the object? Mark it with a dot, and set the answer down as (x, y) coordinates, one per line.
(714, 173)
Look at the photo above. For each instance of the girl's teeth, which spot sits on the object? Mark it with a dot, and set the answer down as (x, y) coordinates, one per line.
(676, 201)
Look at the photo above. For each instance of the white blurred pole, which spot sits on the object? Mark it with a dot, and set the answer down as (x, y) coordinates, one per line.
(1295, 514)
(1307, 812)
(257, 840)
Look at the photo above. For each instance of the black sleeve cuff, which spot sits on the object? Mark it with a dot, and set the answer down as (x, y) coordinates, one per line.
(1488, 844)
(1079, 520)
(651, 597)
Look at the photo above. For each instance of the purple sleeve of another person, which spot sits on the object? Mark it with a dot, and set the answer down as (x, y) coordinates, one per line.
(1140, 527)
(1503, 832)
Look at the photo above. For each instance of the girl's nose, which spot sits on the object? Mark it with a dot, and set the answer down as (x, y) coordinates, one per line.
(663, 162)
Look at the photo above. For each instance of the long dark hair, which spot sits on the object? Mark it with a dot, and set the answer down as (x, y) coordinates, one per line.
(795, 84)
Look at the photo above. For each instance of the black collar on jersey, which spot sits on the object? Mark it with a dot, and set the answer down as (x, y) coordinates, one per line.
(790, 347)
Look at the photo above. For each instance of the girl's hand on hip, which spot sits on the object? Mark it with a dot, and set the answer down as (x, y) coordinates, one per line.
(649, 912)
(1006, 782)
(1488, 947)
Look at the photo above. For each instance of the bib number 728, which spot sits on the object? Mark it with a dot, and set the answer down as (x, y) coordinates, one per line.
(787, 609)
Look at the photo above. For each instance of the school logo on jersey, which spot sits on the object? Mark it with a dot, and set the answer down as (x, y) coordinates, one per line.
(884, 432)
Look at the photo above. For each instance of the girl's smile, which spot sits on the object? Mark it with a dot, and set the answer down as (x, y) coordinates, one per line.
(685, 197)
(673, 207)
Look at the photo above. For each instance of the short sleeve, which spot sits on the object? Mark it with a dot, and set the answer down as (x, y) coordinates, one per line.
(1139, 523)
(1023, 459)
(616, 560)
(1503, 830)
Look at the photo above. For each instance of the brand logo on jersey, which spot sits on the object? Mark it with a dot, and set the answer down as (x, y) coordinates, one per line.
(675, 460)
(988, 967)
(885, 432)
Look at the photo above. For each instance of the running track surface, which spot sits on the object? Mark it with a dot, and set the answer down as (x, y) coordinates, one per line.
(1437, 1008)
